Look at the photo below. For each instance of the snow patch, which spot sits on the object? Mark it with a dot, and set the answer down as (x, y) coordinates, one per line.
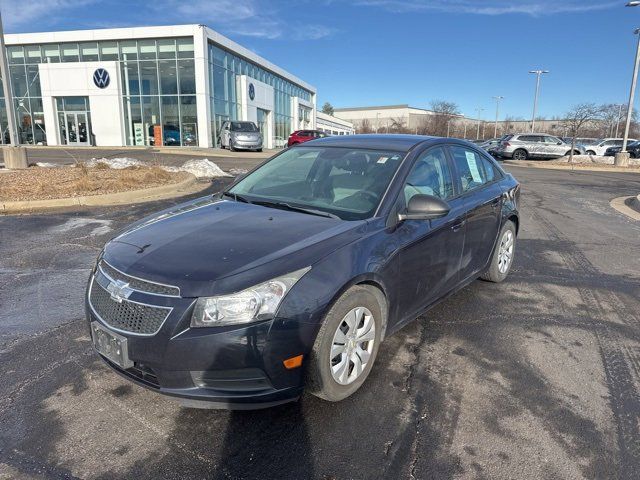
(237, 171)
(200, 168)
(117, 163)
(591, 159)
(46, 164)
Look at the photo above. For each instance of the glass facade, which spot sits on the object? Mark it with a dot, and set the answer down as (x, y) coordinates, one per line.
(224, 70)
(158, 87)
(158, 91)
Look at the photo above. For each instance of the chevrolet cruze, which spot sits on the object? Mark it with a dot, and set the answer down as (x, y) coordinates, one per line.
(292, 278)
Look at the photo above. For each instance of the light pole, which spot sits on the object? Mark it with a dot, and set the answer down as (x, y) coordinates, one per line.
(479, 111)
(618, 119)
(14, 155)
(497, 98)
(538, 74)
(622, 158)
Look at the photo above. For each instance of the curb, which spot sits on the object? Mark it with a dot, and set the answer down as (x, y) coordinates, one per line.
(629, 206)
(163, 192)
(572, 167)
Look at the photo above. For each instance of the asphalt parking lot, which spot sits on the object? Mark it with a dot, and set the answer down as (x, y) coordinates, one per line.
(538, 377)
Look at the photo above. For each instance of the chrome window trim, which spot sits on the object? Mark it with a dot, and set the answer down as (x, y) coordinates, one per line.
(140, 279)
(119, 330)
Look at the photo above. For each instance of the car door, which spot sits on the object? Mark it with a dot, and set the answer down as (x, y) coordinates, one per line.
(476, 180)
(430, 250)
(554, 147)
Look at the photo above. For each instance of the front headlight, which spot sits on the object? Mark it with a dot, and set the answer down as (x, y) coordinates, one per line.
(250, 305)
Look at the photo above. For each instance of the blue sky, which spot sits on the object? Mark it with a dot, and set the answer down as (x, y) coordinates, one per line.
(376, 52)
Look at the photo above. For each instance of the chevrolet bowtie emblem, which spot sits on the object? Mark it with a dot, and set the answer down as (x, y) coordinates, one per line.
(119, 290)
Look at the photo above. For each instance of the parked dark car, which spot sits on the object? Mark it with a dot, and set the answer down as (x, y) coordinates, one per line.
(301, 136)
(633, 148)
(293, 276)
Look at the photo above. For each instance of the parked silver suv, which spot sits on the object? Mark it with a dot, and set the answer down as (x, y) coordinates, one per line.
(522, 146)
(240, 135)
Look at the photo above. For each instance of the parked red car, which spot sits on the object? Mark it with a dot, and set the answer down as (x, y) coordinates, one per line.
(301, 136)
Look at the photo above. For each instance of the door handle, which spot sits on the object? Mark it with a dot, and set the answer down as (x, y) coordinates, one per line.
(458, 225)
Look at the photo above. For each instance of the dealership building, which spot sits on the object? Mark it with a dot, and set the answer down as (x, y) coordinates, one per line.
(170, 85)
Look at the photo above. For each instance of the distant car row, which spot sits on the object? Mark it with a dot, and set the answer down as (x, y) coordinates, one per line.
(542, 146)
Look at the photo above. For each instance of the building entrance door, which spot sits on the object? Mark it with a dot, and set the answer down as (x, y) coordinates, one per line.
(263, 115)
(77, 130)
(74, 121)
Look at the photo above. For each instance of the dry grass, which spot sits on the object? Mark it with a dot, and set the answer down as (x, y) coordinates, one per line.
(37, 183)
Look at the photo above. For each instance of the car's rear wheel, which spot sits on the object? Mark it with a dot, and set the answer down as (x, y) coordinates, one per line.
(520, 154)
(590, 152)
(575, 152)
(502, 257)
(346, 346)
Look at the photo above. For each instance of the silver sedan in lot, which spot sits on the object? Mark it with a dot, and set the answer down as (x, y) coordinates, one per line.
(526, 146)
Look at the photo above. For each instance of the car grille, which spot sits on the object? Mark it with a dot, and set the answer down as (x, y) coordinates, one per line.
(126, 315)
(139, 284)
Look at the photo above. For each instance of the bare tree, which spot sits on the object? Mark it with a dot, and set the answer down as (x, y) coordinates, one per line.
(579, 117)
(443, 112)
(364, 127)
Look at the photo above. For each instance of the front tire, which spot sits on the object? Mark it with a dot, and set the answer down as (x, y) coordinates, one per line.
(231, 147)
(502, 257)
(346, 346)
(590, 152)
(520, 154)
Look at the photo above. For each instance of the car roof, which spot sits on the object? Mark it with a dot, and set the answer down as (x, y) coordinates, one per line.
(402, 143)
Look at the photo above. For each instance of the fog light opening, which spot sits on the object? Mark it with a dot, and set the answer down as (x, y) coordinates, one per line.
(293, 362)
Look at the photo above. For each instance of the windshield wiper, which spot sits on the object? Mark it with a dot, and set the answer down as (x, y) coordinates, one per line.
(293, 208)
(236, 197)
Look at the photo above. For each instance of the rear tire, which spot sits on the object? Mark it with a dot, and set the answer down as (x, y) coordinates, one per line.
(325, 377)
(520, 154)
(504, 251)
(590, 152)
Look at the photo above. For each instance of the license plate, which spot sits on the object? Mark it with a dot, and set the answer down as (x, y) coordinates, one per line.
(111, 345)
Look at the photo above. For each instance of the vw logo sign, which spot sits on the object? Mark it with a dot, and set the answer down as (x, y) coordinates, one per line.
(252, 91)
(101, 78)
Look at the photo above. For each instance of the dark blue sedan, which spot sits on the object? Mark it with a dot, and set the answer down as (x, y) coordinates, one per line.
(293, 277)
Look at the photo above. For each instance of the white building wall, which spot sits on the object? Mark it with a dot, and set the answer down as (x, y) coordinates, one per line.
(264, 99)
(203, 91)
(76, 80)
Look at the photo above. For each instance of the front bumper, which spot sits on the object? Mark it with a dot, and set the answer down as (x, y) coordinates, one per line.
(224, 367)
(247, 144)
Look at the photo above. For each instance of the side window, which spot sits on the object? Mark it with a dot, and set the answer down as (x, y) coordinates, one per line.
(430, 176)
(490, 170)
(469, 166)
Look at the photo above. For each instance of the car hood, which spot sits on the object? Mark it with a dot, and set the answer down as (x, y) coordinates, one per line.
(208, 246)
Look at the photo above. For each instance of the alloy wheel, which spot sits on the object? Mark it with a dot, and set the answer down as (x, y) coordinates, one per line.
(352, 345)
(505, 253)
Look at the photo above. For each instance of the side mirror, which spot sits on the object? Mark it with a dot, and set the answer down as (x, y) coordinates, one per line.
(425, 207)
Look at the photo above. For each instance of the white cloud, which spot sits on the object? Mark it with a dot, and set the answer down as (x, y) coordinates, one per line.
(493, 7)
(24, 12)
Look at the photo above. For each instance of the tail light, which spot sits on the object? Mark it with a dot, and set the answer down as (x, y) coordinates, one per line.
(506, 144)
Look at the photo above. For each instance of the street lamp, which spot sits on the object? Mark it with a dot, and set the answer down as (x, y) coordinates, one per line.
(498, 98)
(538, 73)
(622, 157)
(479, 110)
(14, 156)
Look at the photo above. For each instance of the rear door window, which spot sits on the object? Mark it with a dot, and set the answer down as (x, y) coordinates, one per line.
(469, 168)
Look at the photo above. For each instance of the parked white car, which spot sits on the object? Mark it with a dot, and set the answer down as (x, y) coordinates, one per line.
(601, 147)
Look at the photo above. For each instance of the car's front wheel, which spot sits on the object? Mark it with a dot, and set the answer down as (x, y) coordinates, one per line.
(590, 152)
(502, 257)
(346, 345)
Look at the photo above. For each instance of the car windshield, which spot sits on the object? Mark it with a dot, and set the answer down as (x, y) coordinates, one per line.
(346, 182)
(243, 127)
